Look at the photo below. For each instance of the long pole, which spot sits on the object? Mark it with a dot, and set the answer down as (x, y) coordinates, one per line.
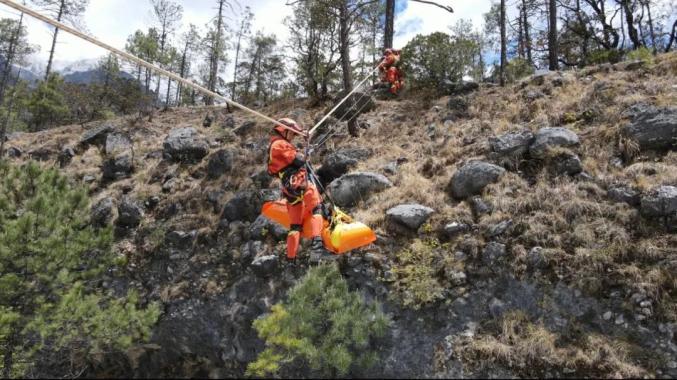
(141, 62)
(341, 102)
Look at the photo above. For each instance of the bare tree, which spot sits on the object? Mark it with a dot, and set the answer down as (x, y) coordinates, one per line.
(552, 36)
(68, 11)
(390, 19)
(168, 15)
(504, 49)
(244, 30)
(629, 10)
(389, 25)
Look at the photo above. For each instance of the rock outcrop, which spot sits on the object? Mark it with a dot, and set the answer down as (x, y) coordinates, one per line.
(185, 145)
(351, 188)
(472, 178)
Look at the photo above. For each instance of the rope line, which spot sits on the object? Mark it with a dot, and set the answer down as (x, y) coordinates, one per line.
(141, 62)
(341, 102)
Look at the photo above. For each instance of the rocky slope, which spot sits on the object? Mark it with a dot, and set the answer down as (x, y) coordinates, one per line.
(526, 231)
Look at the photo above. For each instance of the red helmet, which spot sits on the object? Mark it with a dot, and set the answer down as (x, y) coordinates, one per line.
(291, 124)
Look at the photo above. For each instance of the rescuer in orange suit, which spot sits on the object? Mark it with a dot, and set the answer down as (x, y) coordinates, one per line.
(389, 70)
(303, 198)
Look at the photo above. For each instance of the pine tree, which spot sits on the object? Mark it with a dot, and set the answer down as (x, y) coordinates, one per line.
(321, 323)
(65, 11)
(50, 257)
(47, 104)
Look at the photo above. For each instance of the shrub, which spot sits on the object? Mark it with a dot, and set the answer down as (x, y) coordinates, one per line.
(641, 54)
(604, 56)
(321, 323)
(50, 260)
(415, 273)
(517, 69)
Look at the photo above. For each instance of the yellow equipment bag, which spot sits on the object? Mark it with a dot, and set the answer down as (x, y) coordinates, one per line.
(339, 235)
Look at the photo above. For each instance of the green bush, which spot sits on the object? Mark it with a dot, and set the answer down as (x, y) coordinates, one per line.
(430, 60)
(517, 69)
(51, 259)
(641, 54)
(416, 282)
(597, 57)
(321, 323)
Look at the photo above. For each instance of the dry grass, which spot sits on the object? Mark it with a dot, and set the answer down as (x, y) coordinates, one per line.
(531, 350)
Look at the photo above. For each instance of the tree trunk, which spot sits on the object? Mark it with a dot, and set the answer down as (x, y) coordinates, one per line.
(182, 72)
(169, 89)
(527, 37)
(504, 53)
(520, 37)
(214, 59)
(237, 56)
(11, 51)
(552, 36)
(344, 41)
(622, 28)
(389, 24)
(630, 22)
(651, 30)
(673, 36)
(56, 32)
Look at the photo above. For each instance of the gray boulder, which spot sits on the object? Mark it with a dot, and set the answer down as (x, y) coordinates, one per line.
(448, 87)
(353, 187)
(624, 194)
(411, 216)
(653, 128)
(14, 152)
(472, 178)
(660, 202)
(265, 266)
(220, 163)
(180, 239)
(547, 138)
(493, 252)
(119, 157)
(357, 104)
(514, 143)
(480, 207)
(66, 156)
(453, 229)
(246, 205)
(228, 122)
(340, 162)
(41, 154)
(566, 164)
(102, 212)
(129, 214)
(498, 229)
(185, 145)
(245, 129)
(95, 136)
(263, 228)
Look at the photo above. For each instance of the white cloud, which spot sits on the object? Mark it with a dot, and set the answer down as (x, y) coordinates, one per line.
(436, 19)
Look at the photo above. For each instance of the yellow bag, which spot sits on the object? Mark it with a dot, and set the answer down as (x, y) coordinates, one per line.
(340, 235)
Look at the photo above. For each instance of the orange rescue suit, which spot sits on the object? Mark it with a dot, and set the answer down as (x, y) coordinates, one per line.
(390, 73)
(303, 199)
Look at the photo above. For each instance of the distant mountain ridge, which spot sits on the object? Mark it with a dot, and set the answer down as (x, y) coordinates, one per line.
(83, 71)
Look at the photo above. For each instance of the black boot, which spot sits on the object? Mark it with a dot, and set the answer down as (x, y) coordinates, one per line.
(318, 253)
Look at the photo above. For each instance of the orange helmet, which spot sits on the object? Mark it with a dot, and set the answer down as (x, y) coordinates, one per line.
(291, 124)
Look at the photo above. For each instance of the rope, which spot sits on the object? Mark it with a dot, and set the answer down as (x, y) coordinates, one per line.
(141, 62)
(341, 102)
